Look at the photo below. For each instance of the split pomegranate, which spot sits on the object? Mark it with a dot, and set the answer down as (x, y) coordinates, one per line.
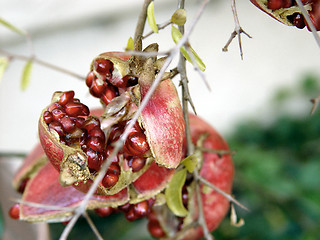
(78, 144)
(287, 12)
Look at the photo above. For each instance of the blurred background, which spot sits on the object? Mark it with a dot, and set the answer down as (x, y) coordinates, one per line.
(261, 104)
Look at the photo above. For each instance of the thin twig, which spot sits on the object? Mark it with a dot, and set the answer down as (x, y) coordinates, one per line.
(197, 69)
(43, 63)
(141, 21)
(92, 226)
(201, 217)
(44, 206)
(226, 195)
(160, 27)
(217, 151)
(310, 24)
(237, 31)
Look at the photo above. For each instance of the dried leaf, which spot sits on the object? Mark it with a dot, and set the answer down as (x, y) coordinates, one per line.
(130, 44)
(4, 62)
(190, 162)
(12, 27)
(173, 193)
(176, 36)
(151, 18)
(26, 75)
(233, 218)
(179, 17)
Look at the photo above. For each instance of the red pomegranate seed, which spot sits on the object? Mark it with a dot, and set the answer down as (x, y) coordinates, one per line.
(90, 77)
(130, 214)
(114, 168)
(298, 20)
(53, 106)
(23, 185)
(79, 121)
(104, 67)
(66, 97)
(56, 126)
(141, 209)
(155, 229)
(97, 88)
(104, 212)
(136, 163)
(131, 81)
(109, 94)
(97, 132)
(152, 216)
(275, 4)
(94, 161)
(14, 211)
(136, 144)
(125, 207)
(75, 109)
(67, 124)
(135, 129)
(91, 123)
(95, 144)
(57, 113)
(47, 117)
(115, 133)
(110, 180)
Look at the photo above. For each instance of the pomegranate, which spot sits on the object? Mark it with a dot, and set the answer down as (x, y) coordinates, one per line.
(77, 144)
(287, 12)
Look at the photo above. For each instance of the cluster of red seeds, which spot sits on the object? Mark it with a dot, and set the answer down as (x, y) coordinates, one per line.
(69, 118)
(132, 212)
(297, 19)
(105, 86)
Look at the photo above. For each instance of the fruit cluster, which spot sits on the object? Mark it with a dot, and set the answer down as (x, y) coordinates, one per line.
(287, 11)
(75, 142)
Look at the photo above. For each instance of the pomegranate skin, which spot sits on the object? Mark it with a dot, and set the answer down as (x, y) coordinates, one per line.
(216, 169)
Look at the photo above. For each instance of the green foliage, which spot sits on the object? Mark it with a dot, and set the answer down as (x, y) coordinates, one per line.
(277, 175)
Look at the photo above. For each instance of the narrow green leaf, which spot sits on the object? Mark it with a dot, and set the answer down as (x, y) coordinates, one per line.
(190, 162)
(173, 193)
(130, 44)
(4, 62)
(26, 75)
(151, 18)
(198, 60)
(179, 17)
(176, 36)
(12, 27)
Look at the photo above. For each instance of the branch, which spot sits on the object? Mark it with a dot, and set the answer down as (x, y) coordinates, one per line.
(237, 31)
(141, 21)
(92, 226)
(310, 24)
(226, 195)
(42, 63)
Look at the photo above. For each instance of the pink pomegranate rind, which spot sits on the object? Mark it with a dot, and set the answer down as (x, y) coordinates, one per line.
(44, 188)
(216, 169)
